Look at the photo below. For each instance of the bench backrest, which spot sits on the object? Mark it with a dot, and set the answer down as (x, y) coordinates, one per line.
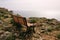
(20, 20)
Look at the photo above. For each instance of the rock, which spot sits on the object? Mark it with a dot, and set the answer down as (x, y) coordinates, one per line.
(37, 30)
(24, 28)
(17, 39)
(36, 37)
(1, 32)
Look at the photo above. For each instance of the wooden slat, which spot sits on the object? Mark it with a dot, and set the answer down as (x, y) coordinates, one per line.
(15, 18)
(25, 21)
(20, 20)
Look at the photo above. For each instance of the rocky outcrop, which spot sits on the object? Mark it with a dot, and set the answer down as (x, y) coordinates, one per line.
(42, 29)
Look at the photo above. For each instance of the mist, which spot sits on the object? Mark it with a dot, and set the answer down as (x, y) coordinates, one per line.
(34, 8)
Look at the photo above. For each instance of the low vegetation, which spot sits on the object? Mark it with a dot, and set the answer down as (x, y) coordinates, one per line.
(42, 28)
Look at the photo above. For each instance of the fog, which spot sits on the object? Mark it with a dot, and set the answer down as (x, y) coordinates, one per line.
(35, 8)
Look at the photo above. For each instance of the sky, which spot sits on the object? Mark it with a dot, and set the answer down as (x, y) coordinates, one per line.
(34, 8)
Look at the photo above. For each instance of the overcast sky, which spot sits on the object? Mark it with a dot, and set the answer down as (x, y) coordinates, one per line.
(38, 8)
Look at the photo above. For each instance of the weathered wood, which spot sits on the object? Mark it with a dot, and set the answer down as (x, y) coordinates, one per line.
(15, 18)
(20, 20)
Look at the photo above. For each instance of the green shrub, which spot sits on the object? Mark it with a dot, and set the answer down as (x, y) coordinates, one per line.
(49, 28)
(58, 36)
(11, 37)
(5, 16)
(32, 21)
